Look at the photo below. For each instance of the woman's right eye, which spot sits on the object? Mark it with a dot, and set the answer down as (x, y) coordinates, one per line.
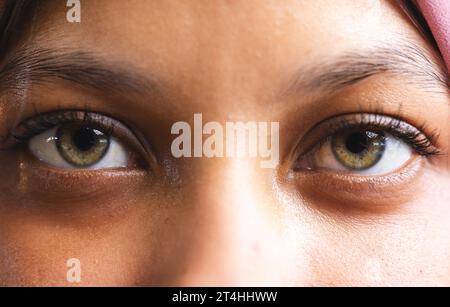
(78, 146)
(79, 140)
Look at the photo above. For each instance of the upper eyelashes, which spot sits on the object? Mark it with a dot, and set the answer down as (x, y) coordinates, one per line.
(415, 136)
(43, 122)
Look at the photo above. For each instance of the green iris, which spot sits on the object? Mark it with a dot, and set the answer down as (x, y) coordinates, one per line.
(80, 145)
(358, 149)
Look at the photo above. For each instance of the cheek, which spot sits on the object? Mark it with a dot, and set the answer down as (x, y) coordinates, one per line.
(36, 251)
(409, 248)
(30, 255)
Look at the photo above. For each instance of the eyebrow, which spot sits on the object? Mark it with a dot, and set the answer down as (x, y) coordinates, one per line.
(35, 66)
(403, 59)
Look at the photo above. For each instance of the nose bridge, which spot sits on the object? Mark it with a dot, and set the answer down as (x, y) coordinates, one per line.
(234, 235)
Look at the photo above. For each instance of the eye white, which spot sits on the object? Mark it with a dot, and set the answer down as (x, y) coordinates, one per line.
(395, 155)
(44, 148)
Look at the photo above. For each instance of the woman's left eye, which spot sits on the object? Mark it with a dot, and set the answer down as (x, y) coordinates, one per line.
(361, 145)
(79, 146)
(363, 152)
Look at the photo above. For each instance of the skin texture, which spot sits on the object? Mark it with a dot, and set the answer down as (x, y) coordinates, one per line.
(226, 222)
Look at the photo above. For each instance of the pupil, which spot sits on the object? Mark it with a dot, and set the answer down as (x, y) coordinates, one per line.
(357, 142)
(84, 139)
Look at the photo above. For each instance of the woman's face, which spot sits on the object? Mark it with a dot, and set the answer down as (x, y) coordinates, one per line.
(359, 195)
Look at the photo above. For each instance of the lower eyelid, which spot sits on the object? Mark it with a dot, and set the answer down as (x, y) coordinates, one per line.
(45, 178)
(363, 191)
(78, 196)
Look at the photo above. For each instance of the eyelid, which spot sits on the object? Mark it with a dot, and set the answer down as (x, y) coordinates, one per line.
(42, 122)
(415, 137)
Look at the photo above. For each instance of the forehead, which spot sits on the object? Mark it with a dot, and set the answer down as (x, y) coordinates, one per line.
(245, 31)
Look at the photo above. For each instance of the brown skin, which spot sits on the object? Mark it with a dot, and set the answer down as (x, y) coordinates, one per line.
(226, 222)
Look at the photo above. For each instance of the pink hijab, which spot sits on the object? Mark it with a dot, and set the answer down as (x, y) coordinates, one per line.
(437, 14)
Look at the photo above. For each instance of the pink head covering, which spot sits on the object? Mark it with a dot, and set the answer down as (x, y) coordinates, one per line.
(437, 14)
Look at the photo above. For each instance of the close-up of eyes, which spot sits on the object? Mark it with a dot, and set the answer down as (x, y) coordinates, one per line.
(366, 145)
(78, 140)
(360, 144)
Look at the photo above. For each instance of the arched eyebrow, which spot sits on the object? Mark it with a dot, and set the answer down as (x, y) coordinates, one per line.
(30, 66)
(403, 59)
